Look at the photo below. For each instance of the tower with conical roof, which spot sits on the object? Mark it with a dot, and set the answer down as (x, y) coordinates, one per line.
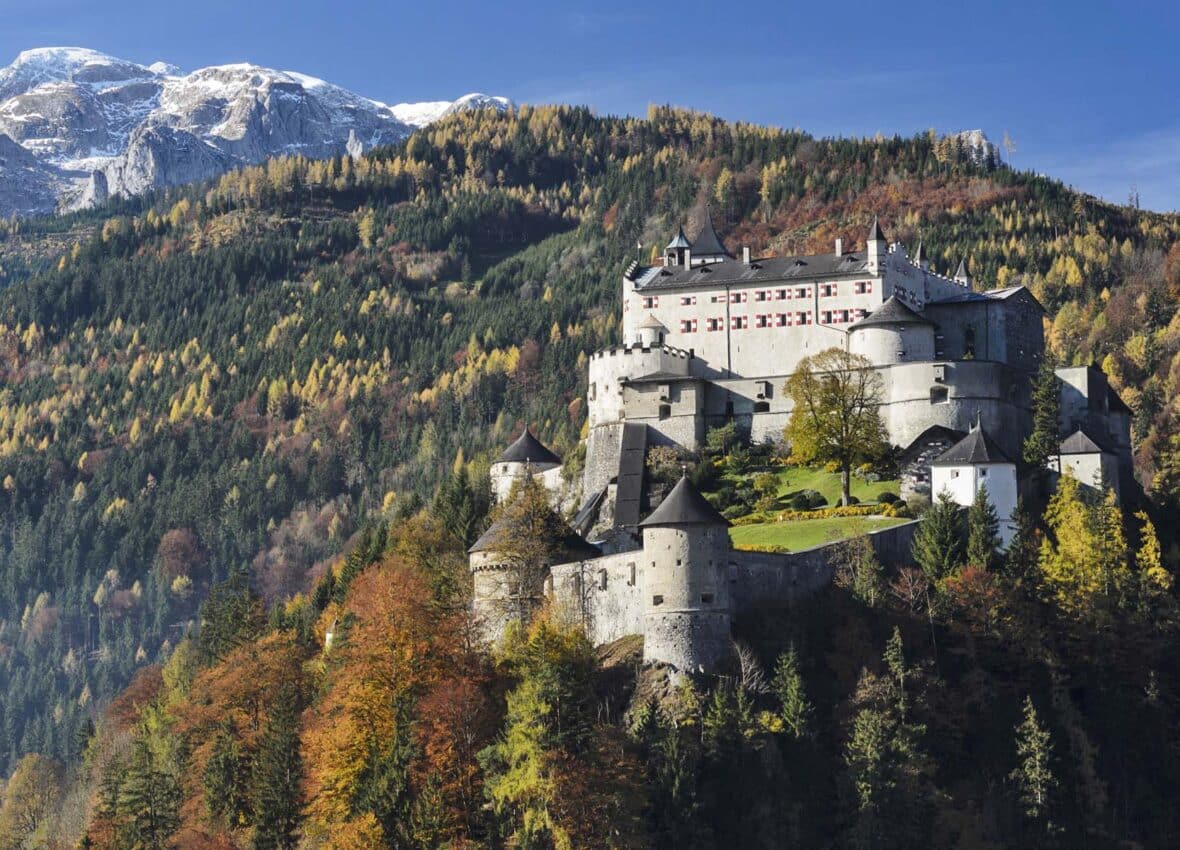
(973, 463)
(676, 252)
(527, 456)
(707, 246)
(686, 554)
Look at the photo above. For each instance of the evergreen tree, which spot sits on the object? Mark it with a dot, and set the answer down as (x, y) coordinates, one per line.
(276, 775)
(1042, 441)
(938, 542)
(1020, 559)
(225, 780)
(1033, 775)
(787, 684)
(148, 808)
(983, 529)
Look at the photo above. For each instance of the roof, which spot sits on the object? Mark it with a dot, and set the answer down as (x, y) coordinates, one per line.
(1002, 294)
(662, 377)
(875, 232)
(977, 447)
(892, 312)
(1081, 443)
(684, 506)
(765, 271)
(528, 449)
(681, 241)
(652, 322)
(920, 442)
(706, 243)
(572, 545)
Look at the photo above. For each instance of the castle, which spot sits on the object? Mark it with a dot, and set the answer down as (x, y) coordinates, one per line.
(710, 338)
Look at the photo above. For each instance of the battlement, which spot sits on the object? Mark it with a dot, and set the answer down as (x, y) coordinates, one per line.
(637, 348)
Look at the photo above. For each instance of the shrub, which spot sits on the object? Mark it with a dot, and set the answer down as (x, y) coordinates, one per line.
(799, 502)
(852, 500)
(886, 497)
(734, 511)
(815, 499)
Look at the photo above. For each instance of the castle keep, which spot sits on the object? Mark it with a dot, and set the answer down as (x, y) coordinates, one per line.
(710, 338)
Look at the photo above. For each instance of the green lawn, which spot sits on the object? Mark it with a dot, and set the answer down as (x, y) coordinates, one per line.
(792, 479)
(806, 533)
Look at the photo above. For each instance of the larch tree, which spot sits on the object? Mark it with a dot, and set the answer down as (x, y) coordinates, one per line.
(1033, 775)
(836, 416)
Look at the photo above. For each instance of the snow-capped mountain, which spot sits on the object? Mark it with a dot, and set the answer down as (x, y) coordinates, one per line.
(982, 149)
(87, 125)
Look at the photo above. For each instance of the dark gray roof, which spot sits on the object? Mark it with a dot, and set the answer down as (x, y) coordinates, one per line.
(875, 232)
(1002, 294)
(892, 312)
(920, 442)
(572, 545)
(528, 449)
(976, 447)
(684, 506)
(680, 241)
(706, 243)
(766, 271)
(1081, 443)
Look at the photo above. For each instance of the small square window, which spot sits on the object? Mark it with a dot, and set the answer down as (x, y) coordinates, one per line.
(707, 598)
(657, 600)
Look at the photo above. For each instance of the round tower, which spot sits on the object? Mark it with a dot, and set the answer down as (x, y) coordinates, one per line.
(686, 553)
(524, 458)
(893, 333)
(651, 332)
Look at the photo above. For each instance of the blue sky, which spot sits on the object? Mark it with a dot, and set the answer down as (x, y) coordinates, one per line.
(1088, 90)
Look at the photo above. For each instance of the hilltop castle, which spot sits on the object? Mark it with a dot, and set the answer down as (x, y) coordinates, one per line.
(710, 338)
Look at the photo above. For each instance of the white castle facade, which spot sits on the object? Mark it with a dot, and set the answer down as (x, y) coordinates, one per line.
(710, 338)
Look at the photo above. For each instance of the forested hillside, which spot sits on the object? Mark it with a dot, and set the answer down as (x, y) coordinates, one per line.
(228, 385)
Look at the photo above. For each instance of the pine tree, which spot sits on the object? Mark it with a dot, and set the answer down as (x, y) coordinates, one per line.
(982, 531)
(1020, 560)
(1042, 441)
(1034, 775)
(148, 801)
(787, 685)
(225, 778)
(276, 776)
(938, 542)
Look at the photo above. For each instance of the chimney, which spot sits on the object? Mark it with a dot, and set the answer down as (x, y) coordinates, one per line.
(746, 254)
(839, 247)
(688, 258)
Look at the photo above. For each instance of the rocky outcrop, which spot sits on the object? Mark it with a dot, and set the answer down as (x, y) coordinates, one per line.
(88, 126)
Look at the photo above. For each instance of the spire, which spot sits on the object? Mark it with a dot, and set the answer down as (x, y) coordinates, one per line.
(919, 254)
(684, 506)
(961, 273)
(875, 232)
(681, 241)
(707, 243)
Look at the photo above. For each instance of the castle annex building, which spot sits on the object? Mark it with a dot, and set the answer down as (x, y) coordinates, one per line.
(710, 338)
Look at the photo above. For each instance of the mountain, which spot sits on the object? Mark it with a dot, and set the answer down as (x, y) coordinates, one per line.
(88, 126)
(209, 397)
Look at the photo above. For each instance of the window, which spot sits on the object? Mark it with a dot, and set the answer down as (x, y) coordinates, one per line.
(845, 316)
(688, 326)
(650, 301)
(593, 393)
(954, 473)
(665, 411)
(631, 572)
(863, 287)
(782, 294)
(739, 298)
(939, 395)
(762, 407)
(782, 320)
(762, 295)
(707, 598)
(983, 473)
(762, 321)
(657, 600)
(861, 313)
(825, 317)
(803, 318)
(717, 299)
(738, 323)
(802, 291)
(687, 300)
(827, 290)
(969, 344)
(602, 579)
(714, 324)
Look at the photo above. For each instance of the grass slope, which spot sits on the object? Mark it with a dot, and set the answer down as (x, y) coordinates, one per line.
(807, 533)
